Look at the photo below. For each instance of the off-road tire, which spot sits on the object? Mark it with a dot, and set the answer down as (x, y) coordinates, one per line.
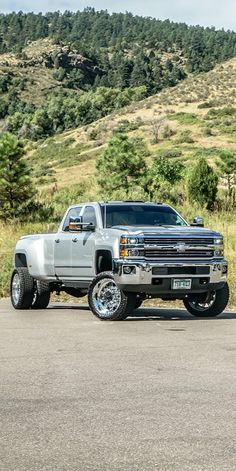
(24, 294)
(41, 295)
(125, 303)
(218, 306)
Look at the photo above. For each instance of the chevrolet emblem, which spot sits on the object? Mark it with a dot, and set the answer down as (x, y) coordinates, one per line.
(180, 248)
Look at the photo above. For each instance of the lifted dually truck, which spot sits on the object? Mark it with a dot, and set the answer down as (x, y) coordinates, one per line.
(120, 253)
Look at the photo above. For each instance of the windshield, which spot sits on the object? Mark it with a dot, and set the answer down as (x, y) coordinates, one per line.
(140, 215)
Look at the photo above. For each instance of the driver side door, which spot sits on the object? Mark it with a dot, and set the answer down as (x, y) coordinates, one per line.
(83, 248)
(63, 247)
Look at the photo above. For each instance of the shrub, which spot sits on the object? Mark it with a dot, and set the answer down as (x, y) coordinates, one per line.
(169, 153)
(167, 132)
(184, 118)
(207, 132)
(202, 184)
(185, 137)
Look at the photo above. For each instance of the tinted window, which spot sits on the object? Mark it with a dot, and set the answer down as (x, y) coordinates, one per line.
(73, 213)
(89, 215)
(141, 215)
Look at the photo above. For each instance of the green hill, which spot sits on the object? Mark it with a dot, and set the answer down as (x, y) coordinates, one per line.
(197, 117)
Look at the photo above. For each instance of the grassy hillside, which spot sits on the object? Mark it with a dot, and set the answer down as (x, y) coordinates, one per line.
(197, 117)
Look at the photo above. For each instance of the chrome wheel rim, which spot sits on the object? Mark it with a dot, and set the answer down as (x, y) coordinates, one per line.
(106, 297)
(15, 291)
(205, 304)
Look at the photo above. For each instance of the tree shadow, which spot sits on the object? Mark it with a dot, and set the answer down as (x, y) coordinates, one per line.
(150, 313)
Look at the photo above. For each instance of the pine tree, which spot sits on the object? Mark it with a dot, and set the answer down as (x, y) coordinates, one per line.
(227, 167)
(139, 75)
(122, 164)
(16, 189)
(202, 184)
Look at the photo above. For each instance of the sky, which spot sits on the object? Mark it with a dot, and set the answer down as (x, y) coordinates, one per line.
(218, 13)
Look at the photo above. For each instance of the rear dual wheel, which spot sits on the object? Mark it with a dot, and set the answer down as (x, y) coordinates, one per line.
(26, 292)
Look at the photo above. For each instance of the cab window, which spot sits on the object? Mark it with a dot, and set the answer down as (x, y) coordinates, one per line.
(89, 215)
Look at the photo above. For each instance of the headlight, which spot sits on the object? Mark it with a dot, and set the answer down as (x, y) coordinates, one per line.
(219, 241)
(219, 246)
(131, 246)
(130, 252)
(124, 240)
(133, 240)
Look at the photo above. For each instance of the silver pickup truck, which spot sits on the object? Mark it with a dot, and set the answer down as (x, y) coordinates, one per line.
(120, 253)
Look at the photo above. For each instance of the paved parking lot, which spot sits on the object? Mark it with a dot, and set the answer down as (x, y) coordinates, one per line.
(155, 392)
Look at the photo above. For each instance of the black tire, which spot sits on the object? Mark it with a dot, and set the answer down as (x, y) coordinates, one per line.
(22, 289)
(209, 304)
(41, 295)
(110, 303)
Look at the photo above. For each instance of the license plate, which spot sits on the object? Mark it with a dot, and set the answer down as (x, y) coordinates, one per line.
(182, 283)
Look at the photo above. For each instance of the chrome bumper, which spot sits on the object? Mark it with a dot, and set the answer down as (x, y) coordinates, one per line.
(142, 273)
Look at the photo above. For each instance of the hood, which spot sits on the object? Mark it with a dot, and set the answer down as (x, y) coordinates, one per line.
(172, 230)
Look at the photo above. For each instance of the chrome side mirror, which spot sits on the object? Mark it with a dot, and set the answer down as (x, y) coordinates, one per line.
(198, 221)
(77, 225)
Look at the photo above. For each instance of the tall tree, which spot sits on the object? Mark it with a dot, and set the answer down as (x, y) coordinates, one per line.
(122, 164)
(202, 184)
(227, 168)
(16, 189)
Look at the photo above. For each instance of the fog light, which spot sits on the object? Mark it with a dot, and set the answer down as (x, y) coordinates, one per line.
(127, 270)
(219, 253)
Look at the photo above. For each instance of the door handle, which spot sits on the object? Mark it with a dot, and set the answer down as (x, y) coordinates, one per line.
(57, 241)
(75, 239)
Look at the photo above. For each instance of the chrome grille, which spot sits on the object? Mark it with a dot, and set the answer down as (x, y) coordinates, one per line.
(173, 253)
(178, 240)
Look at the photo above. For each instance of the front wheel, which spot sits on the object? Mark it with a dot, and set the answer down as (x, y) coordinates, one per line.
(209, 304)
(107, 301)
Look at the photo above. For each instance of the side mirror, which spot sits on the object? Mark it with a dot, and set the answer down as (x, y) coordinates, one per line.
(77, 225)
(198, 221)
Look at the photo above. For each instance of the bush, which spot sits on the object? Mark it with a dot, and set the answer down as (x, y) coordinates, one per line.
(185, 137)
(93, 134)
(167, 132)
(184, 118)
(207, 104)
(207, 132)
(169, 153)
(126, 126)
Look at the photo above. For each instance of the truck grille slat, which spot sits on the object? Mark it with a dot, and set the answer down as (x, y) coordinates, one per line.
(174, 253)
(178, 240)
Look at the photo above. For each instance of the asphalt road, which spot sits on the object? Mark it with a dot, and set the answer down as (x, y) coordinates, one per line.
(155, 392)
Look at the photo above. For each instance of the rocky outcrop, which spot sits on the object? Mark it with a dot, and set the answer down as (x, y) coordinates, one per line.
(55, 57)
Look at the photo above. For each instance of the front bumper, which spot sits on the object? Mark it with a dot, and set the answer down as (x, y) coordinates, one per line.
(155, 278)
